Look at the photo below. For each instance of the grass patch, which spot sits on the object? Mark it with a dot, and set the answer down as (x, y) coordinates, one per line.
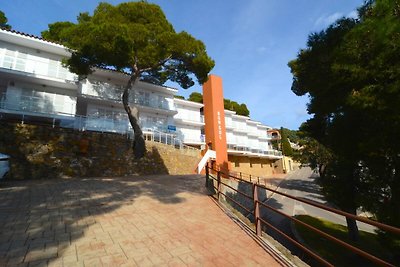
(335, 253)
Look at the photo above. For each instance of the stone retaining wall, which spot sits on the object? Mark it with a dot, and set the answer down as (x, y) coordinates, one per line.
(40, 152)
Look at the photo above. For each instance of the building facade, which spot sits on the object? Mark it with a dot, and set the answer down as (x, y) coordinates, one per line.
(34, 85)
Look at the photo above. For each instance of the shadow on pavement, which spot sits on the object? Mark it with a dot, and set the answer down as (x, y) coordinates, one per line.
(39, 219)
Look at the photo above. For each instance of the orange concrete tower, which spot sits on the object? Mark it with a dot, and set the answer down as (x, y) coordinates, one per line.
(214, 118)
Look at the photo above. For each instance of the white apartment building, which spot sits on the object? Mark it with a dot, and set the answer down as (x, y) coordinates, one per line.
(35, 86)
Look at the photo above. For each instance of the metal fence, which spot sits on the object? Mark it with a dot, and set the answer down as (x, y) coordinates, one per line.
(258, 221)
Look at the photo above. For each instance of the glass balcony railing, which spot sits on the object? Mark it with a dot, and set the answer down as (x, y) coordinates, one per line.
(153, 103)
(272, 152)
(244, 148)
(39, 66)
(114, 93)
(103, 90)
(45, 105)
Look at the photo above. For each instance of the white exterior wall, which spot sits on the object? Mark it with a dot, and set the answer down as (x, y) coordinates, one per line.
(187, 113)
(251, 128)
(190, 134)
(228, 120)
(230, 137)
(189, 122)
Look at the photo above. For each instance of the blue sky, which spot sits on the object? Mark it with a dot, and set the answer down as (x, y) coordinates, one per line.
(251, 42)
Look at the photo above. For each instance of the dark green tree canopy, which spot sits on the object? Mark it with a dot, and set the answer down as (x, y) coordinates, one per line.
(179, 97)
(3, 21)
(196, 97)
(351, 73)
(134, 37)
(240, 109)
(286, 148)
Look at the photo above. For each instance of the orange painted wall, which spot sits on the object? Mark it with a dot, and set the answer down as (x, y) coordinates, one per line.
(214, 118)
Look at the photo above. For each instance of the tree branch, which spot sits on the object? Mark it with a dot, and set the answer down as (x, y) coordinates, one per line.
(160, 63)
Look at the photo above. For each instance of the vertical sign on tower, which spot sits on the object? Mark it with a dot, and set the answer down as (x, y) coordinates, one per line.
(214, 118)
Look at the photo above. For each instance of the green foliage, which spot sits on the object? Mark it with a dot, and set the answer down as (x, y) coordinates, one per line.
(134, 37)
(286, 148)
(354, 98)
(179, 97)
(243, 110)
(3, 21)
(292, 135)
(313, 153)
(240, 109)
(196, 97)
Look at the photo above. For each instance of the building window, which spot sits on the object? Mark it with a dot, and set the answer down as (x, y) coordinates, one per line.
(237, 164)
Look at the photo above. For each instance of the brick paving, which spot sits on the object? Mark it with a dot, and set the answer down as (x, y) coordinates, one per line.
(130, 221)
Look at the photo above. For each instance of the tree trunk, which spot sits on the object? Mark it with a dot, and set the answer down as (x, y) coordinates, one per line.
(139, 144)
(352, 227)
(321, 170)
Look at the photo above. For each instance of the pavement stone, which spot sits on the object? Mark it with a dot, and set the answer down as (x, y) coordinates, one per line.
(128, 221)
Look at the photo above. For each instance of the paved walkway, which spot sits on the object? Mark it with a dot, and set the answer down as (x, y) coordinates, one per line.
(132, 221)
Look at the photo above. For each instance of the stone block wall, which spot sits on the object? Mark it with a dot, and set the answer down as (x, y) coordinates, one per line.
(41, 152)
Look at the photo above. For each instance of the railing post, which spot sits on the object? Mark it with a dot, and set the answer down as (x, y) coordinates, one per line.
(250, 177)
(218, 184)
(256, 210)
(207, 175)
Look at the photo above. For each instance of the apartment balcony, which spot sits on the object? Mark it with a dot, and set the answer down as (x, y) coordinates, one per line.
(241, 150)
(193, 141)
(265, 137)
(102, 124)
(113, 93)
(229, 125)
(252, 133)
(153, 127)
(41, 68)
(276, 153)
(153, 105)
(40, 105)
(240, 130)
(193, 121)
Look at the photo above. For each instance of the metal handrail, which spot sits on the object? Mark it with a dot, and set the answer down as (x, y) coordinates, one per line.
(259, 220)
